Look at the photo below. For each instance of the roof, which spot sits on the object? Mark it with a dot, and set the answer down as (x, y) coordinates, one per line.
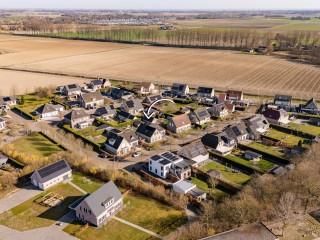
(311, 104)
(205, 90)
(1, 119)
(284, 98)
(46, 108)
(237, 130)
(177, 87)
(125, 115)
(91, 97)
(152, 98)
(274, 114)
(114, 139)
(4, 100)
(184, 185)
(129, 136)
(107, 110)
(148, 130)
(234, 93)
(193, 150)
(72, 87)
(166, 158)
(212, 140)
(76, 114)
(97, 82)
(201, 113)
(222, 96)
(253, 154)
(133, 104)
(97, 199)
(146, 85)
(253, 232)
(181, 120)
(52, 171)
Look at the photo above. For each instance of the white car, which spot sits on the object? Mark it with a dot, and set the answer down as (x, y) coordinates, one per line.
(136, 154)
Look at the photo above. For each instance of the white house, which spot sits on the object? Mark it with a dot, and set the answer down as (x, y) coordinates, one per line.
(48, 110)
(2, 124)
(51, 175)
(186, 187)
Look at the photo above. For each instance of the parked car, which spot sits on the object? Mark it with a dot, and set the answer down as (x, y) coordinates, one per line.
(102, 155)
(136, 154)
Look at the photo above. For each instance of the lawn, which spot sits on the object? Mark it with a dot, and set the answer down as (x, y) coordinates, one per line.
(217, 195)
(305, 127)
(284, 137)
(268, 149)
(31, 215)
(93, 134)
(88, 184)
(36, 144)
(263, 165)
(113, 230)
(151, 214)
(239, 178)
(34, 99)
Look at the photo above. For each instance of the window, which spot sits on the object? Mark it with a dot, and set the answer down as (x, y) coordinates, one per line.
(161, 174)
(161, 167)
(150, 168)
(156, 170)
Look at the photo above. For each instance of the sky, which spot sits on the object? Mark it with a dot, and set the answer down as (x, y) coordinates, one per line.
(163, 4)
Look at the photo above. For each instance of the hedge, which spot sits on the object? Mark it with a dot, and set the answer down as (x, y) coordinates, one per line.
(26, 114)
(119, 125)
(53, 141)
(293, 132)
(66, 106)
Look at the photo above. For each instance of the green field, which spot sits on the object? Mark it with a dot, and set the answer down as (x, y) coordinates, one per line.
(284, 137)
(92, 134)
(268, 149)
(305, 127)
(218, 195)
(31, 214)
(86, 183)
(36, 144)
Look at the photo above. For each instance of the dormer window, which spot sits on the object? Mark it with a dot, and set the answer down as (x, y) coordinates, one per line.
(108, 202)
(112, 141)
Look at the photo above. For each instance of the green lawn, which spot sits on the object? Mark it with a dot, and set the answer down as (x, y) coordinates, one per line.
(239, 178)
(31, 215)
(34, 99)
(112, 230)
(262, 165)
(217, 195)
(305, 127)
(88, 184)
(93, 134)
(268, 149)
(36, 144)
(284, 137)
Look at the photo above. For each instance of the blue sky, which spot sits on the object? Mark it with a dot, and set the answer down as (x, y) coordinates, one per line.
(163, 4)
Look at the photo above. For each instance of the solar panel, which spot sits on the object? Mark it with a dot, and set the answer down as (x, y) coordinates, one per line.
(202, 113)
(72, 86)
(130, 104)
(236, 130)
(6, 99)
(55, 167)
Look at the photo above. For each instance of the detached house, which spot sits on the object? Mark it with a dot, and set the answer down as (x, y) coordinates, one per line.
(146, 88)
(71, 90)
(237, 131)
(150, 133)
(200, 116)
(7, 102)
(179, 123)
(310, 107)
(123, 116)
(186, 187)
(48, 110)
(151, 99)
(277, 116)
(133, 106)
(51, 175)
(100, 206)
(205, 92)
(180, 89)
(106, 113)
(220, 143)
(234, 95)
(256, 126)
(91, 100)
(219, 110)
(195, 152)
(117, 144)
(118, 93)
(99, 83)
(282, 100)
(78, 119)
(2, 124)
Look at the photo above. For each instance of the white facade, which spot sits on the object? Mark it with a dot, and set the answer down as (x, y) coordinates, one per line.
(48, 184)
(2, 124)
(159, 169)
(183, 186)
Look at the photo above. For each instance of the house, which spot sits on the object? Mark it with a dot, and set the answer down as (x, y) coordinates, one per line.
(313, 121)
(71, 90)
(256, 126)
(117, 144)
(220, 143)
(91, 100)
(256, 231)
(311, 107)
(51, 175)
(186, 187)
(146, 88)
(124, 116)
(179, 123)
(205, 92)
(99, 83)
(179, 89)
(106, 112)
(237, 131)
(282, 100)
(7, 102)
(78, 119)
(184, 110)
(276, 116)
(168, 163)
(98, 207)
(2, 124)
(118, 93)
(222, 97)
(252, 156)
(151, 99)
(219, 110)
(200, 116)
(150, 133)
(231, 107)
(234, 95)
(134, 106)
(3, 160)
(196, 152)
(48, 110)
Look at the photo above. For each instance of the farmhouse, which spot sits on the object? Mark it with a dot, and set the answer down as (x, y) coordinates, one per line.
(200, 116)
(106, 112)
(237, 131)
(252, 156)
(51, 175)
(196, 152)
(179, 123)
(2, 124)
(180, 89)
(91, 100)
(311, 107)
(169, 163)
(186, 187)
(220, 143)
(150, 133)
(219, 110)
(78, 119)
(134, 106)
(48, 110)
(100, 206)
(71, 90)
(205, 92)
(234, 95)
(277, 116)
(99, 83)
(7, 102)
(256, 126)
(152, 98)
(282, 100)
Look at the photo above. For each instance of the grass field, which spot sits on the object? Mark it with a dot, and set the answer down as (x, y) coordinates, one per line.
(305, 127)
(284, 137)
(92, 134)
(36, 145)
(271, 150)
(82, 181)
(217, 68)
(30, 215)
(218, 195)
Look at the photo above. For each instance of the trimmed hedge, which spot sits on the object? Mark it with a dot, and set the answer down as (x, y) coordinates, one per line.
(26, 114)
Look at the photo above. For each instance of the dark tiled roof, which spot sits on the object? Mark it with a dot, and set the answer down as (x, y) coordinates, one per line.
(53, 170)
(285, 98)
(205, 90)
(125, 115)
(148, 130)
(107, 110)
(76, 114)
(91, 97)
(193, 150)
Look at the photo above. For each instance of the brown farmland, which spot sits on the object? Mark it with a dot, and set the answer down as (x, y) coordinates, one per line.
(220, 69)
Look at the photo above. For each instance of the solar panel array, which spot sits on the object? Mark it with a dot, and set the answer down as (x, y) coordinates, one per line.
(202, 113)
(236, 131)
(6, 99)
(170, 156)
(55, 167)
(72, 86)
(130, 104)
(156, 157)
